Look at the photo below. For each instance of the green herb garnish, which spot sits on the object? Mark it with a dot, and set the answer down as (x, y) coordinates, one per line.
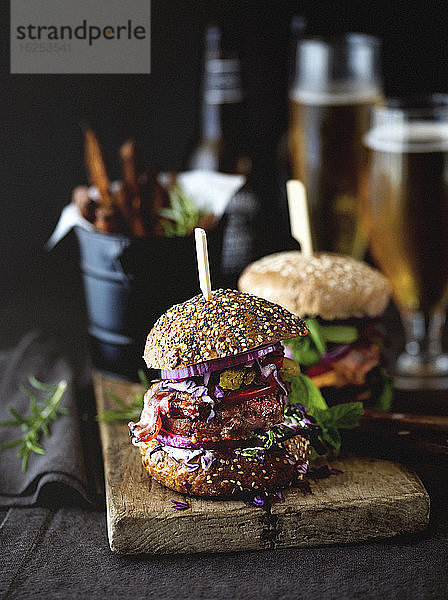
(44, 410)
(329, 418)
(385, 399)
(264, 440)
(182, 216)
(125, 412)
(308, 350)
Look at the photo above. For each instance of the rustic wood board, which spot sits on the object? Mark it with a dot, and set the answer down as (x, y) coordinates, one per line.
(371, 499)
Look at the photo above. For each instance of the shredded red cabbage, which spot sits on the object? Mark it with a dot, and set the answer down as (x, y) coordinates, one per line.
(219, 392)
(301, 467)
(263, 499)
(257, 501)
(288, 351)
(271, 369)
(191, 466)
(205, 462)
(187, 385)
(180, 504)
(322, 472)
(211, 403)
(218, 363)
(177, 441)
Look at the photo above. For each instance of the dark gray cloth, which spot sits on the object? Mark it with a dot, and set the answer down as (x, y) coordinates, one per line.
(52, 554)
(63, 463)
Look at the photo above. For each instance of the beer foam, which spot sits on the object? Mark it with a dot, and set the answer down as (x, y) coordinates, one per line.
(358, 95)
(419, 136)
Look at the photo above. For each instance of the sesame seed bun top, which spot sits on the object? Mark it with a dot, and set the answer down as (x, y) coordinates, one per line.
(228, 324)
(331, 286)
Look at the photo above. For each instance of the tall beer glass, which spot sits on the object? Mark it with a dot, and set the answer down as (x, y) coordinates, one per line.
(336, 83)
(406, 220)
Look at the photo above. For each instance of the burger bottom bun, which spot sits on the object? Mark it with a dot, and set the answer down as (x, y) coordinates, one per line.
(229, 473)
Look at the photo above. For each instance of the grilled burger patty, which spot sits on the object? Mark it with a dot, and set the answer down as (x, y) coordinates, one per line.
(231, 421)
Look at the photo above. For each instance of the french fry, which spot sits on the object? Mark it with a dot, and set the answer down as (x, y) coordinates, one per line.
(141, 207)
(129, 197)
(154, 198)
(108, 218)
(95, 166)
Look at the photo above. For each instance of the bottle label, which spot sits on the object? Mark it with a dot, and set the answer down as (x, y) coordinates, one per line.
(223, 81)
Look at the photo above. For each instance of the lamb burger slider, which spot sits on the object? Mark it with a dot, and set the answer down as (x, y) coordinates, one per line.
(218, 422)
(342, 300)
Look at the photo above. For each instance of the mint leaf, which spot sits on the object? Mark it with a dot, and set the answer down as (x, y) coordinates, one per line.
(303, 391)
(304, 351)
(330, 419)
(339, 334)
(332, 437)
(345, 416)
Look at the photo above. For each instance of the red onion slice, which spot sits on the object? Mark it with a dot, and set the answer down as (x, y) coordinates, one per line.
(219, 363)
(335, 353)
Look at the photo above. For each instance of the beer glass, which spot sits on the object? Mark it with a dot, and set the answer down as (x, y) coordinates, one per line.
(406, 220)
(335, 84)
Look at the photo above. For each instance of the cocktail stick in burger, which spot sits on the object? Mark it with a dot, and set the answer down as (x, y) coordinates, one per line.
(218, 422)
(342, 300)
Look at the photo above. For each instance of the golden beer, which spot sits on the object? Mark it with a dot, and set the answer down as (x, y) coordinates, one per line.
(406, 213)
(328, 155)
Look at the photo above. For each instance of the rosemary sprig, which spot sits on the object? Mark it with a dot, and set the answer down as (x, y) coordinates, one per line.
(125, 412)
(182, 216)
(44, 410)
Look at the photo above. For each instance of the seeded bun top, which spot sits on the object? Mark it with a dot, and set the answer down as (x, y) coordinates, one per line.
(230, 323)
(331, 286)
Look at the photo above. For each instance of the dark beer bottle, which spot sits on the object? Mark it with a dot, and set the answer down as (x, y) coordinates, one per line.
(223, 146)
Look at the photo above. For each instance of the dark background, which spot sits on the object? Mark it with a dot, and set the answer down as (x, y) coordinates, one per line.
(41, 154)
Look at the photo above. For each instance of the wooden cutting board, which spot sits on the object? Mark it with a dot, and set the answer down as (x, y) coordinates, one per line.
(371, 499)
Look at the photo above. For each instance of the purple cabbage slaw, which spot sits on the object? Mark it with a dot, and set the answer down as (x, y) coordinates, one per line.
(190, 458)
(205, 457)
(180, 504)
(205, 462)
(262, 499)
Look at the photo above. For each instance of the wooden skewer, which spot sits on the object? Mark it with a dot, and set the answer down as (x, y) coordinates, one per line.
(298, 215)
(203, 264)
